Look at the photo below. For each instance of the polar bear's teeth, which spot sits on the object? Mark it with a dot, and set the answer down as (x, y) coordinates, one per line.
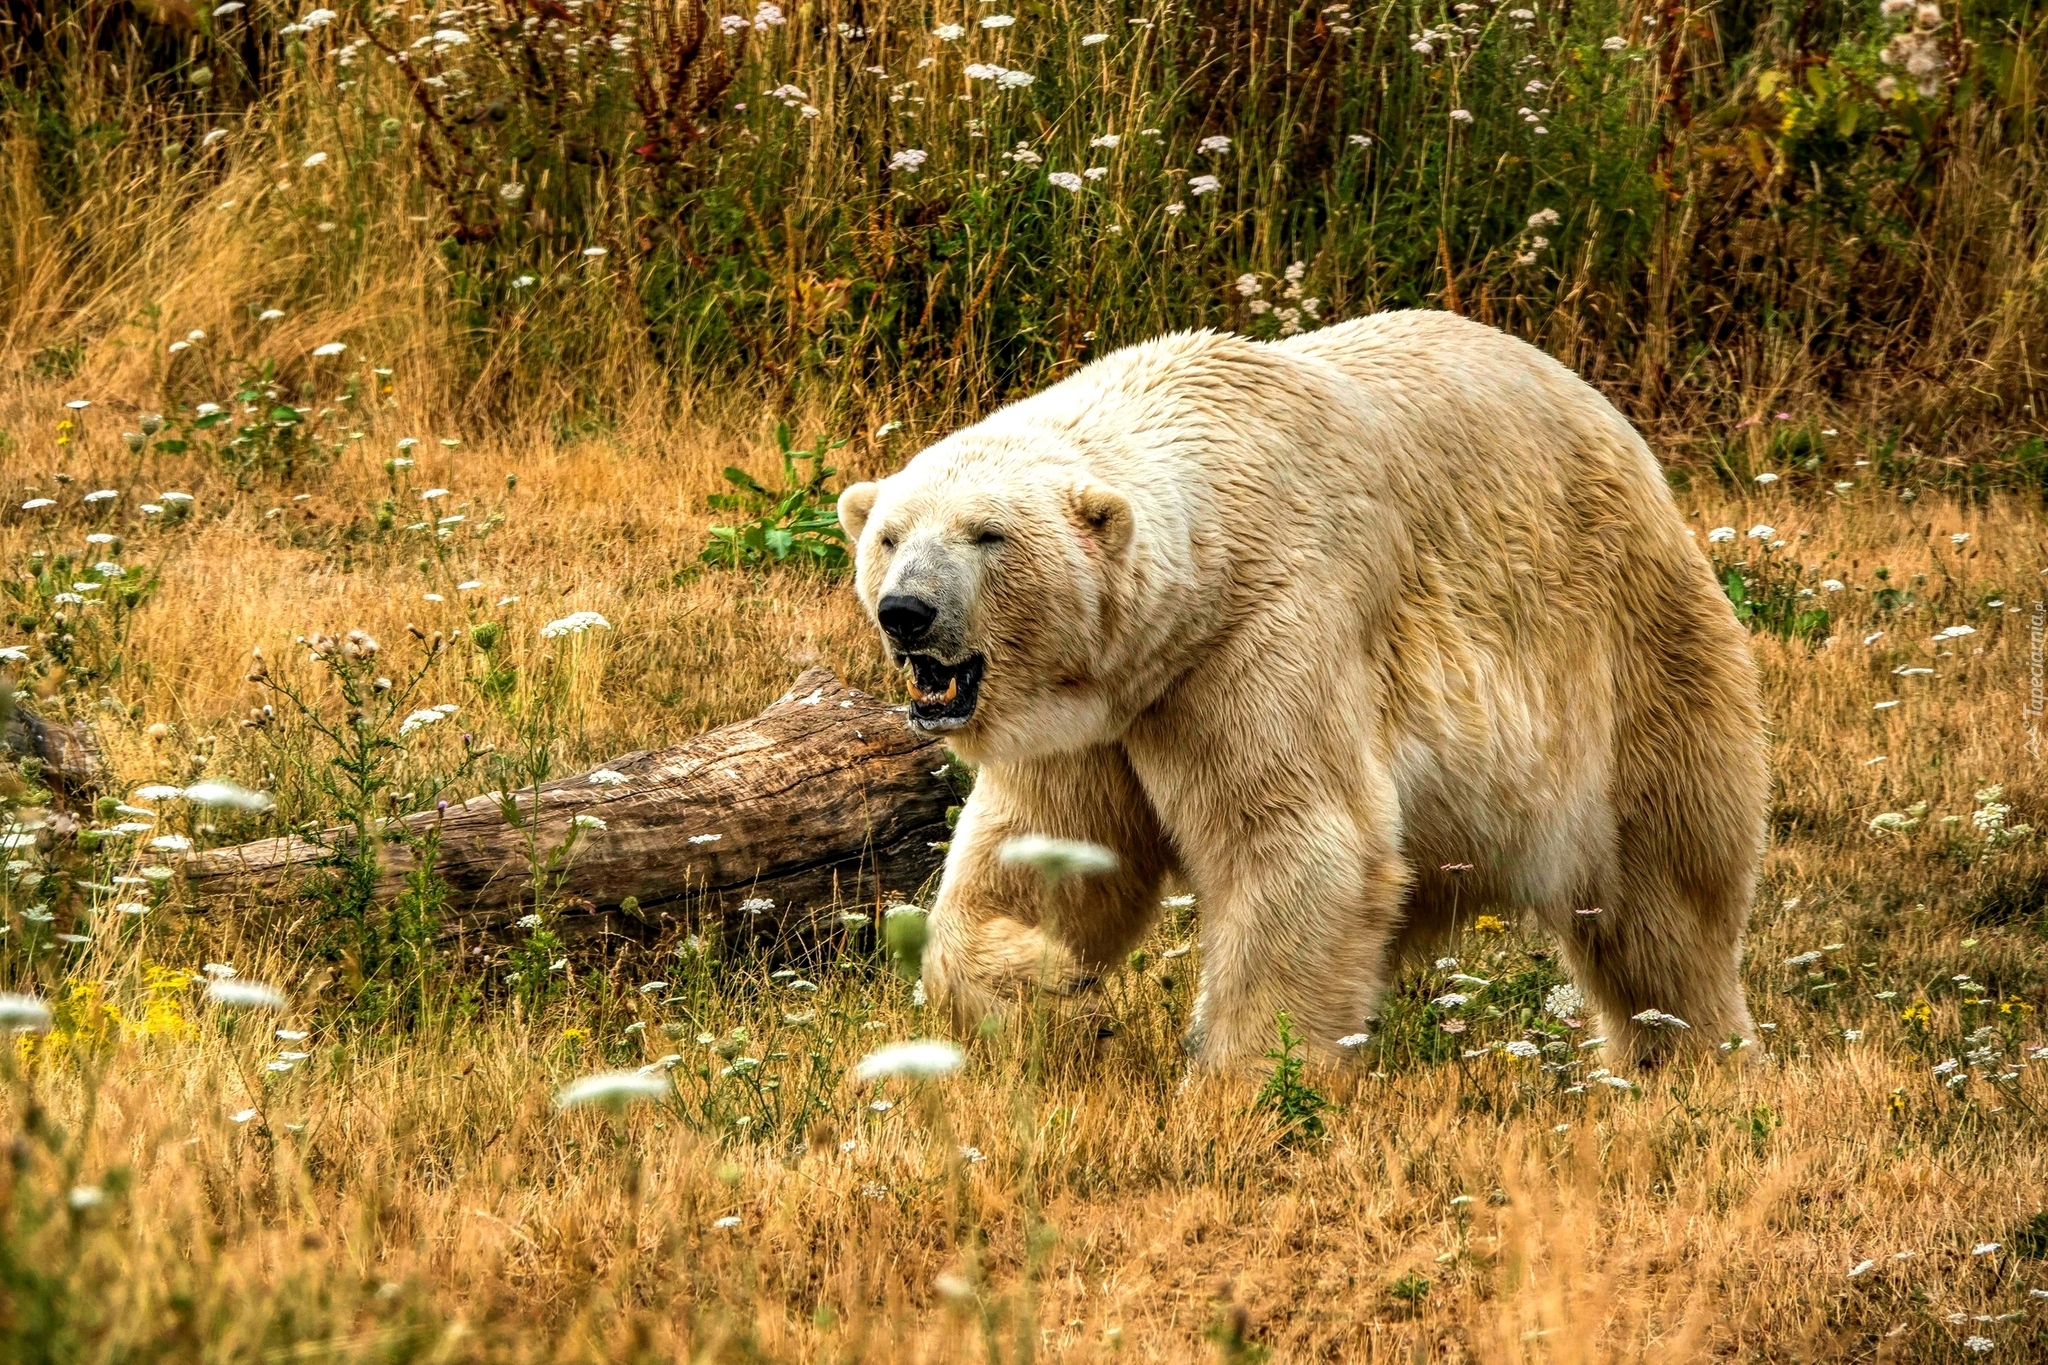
(952, 689)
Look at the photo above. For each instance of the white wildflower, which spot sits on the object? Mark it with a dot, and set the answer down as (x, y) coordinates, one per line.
(920, 1058)
(1057, 860)
(227, 794)
(575, 623)
(23, 1014)
(612, 1090)
(233, 993)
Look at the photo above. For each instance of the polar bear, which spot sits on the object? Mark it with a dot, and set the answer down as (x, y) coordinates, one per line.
(1360, 633)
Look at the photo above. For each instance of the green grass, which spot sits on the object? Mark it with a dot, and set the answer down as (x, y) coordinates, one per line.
(1714, 221)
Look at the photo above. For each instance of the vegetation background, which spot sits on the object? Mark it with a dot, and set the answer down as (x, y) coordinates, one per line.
(316, 320)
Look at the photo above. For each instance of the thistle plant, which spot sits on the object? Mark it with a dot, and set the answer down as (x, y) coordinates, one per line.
(1286, 1093)
(348, 740)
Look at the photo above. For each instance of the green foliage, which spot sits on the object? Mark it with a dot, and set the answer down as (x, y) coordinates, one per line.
(260, 434)
(1230, 1332)
(500, 674)
(2030, 1239)
(535, 961)
(77, 612)
(1770, 592)
(1287, 1093)
(1498, 998)
(1762, 1121)
(850, 206)
(798, 524)
(1410, 1288)
(904, 932)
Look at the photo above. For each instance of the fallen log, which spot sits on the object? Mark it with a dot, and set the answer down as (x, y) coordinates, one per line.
(68, 756)
(825, 803)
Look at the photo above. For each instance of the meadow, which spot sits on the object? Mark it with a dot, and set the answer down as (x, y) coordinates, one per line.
(284, 383)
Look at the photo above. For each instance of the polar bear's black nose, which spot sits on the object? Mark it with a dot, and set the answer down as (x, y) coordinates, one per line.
(905, 618)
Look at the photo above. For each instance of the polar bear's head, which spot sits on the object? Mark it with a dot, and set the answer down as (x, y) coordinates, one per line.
(991, 564)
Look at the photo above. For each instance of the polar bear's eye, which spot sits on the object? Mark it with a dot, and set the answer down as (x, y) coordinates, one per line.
(888, 542)
(988, 535)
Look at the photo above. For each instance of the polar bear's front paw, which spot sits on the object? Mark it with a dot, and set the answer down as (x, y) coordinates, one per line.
(993, 966)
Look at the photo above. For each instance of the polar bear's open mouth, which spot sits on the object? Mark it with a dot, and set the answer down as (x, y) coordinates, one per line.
(943, 695)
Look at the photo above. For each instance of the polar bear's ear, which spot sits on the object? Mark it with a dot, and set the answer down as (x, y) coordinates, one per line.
(854, 505)
(1106, 515)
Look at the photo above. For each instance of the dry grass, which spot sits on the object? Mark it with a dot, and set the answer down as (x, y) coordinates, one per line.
(411, 1195)
(408, 1193)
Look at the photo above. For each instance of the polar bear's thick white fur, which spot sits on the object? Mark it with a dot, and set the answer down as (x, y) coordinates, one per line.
(1361, 633)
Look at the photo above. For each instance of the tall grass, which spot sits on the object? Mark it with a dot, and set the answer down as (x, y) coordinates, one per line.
(1755, 215)
(1714, 212)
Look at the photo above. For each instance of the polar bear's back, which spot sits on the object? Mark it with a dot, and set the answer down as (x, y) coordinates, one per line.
(1471, 412)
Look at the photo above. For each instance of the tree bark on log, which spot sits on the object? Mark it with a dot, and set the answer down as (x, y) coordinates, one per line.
(70, 756)
(826, 802)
